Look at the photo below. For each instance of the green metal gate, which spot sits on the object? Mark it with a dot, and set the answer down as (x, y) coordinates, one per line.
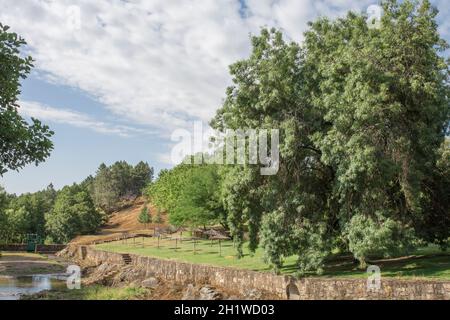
(32, 241)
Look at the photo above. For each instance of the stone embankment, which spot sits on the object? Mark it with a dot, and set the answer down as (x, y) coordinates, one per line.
(210, 282)
(39, 248)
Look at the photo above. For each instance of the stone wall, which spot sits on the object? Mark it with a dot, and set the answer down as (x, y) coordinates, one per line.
(49, 248)
(284, 287)
(13, 247)
(391, 289)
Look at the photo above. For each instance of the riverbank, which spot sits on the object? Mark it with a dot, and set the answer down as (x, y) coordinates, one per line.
(18, 264)
(24, 274)
(29, 276)
(94, 292)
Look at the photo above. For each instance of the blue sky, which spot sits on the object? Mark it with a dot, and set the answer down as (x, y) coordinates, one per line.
(78, 150)
(113, 79)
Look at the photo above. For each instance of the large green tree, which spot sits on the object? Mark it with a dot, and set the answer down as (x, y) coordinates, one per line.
(199, 202)
(21, 143)
(363, 114)
(386, 103)
(190, 194)
(73, 214)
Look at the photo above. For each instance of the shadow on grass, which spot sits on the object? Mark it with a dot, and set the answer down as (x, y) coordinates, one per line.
(432, 266)
(427, 262)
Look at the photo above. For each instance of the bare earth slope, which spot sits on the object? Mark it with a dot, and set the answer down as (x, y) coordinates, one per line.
(121, 222)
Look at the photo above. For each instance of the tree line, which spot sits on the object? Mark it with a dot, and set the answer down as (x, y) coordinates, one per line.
(59, 216)
(55, 216)
(363, 115)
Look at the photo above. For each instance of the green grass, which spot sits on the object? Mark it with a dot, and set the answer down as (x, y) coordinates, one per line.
(427, 263)
(430, 266)
(205, 253)
(95, 292)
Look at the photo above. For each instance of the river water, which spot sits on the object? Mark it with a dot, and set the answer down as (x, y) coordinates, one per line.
(11, 288)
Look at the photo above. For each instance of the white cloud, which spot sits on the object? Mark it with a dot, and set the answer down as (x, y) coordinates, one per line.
(160, 63)
(165, 158)
(76, 119)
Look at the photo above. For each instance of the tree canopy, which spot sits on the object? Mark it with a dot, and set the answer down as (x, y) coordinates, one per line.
(363, 114)
(191, 194)
(25, 214)
(21, 143)
(73, 214)
(117, 182)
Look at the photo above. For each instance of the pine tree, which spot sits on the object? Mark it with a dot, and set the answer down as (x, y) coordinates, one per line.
(144, 217)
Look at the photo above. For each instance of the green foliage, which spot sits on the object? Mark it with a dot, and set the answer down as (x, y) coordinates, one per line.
(433, 225)
(60, 216)
(198, 203)
(144, 216)
(73, 214)
(165, 192)
(191, 195)
(25, 214)
(118, 182)
(382, 237)
(270, 91)
(4, 201)
(280, 238)
(362, 115)
(20, 143)
(241, 203)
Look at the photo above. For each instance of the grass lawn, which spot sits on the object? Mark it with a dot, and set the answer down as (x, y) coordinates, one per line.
(205, 252)
(429, 262)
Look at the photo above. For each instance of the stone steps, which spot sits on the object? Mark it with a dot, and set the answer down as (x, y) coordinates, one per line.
(126, 258)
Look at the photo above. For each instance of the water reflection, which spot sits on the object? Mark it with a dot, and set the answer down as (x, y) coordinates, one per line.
(11, 288)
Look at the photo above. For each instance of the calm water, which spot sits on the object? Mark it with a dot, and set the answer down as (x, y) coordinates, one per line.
(12, 288)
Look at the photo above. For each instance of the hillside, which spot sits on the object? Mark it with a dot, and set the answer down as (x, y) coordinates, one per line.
(122, 222)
